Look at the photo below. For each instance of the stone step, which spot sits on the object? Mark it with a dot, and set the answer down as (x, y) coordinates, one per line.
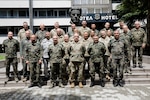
(137, 75)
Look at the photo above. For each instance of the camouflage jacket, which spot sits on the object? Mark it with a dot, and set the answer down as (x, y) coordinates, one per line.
(66, 47)
(10, 47)
(77, 51)
(23, 45)
(33, 52)
(40, 35)
(138, 36)
(96, 51)
(118, 48)
(22, 35)
(56, 53)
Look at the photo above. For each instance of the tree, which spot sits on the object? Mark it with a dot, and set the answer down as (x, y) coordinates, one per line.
(131, 10)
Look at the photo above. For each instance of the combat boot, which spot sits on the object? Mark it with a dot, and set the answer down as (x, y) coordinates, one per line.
(102, 83)
(16, 79)
(80, 85)
(140, 66)
(31, 85)
(121, 82)
(72, 85)
(92, 82)
(61, 85)
(115, 83)
(39, 85)
(51, 85)
(24, 79)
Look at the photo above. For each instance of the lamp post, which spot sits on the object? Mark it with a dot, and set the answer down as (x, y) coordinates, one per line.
(31, 14)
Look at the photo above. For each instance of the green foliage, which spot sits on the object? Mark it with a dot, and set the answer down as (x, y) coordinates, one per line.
(129, 10)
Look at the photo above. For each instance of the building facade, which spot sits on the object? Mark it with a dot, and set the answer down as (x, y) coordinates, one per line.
(14, 12)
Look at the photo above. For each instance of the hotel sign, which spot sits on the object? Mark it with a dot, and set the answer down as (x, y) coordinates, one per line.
(99, 17)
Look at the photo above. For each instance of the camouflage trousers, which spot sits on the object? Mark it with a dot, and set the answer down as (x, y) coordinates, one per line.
(65, 69)
(34, 72)
(118, 67)
(139, 50)
(97, 67)
(76, 71)
(14, 63)
(24, 64)
(56, 71)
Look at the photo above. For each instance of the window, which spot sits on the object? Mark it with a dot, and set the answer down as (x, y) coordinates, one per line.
(105, 1)
(50, 13)
(77, 2)
(90, 10)
(84, 2)
(98, 1)
(62, 13)
(3, 13)
(97, 10)
(90, 1)
(42, 13)
(22, 14)
(84, 11)
(105, 10)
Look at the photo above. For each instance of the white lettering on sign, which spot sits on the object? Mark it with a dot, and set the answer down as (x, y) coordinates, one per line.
(86, 18)
(109, 17)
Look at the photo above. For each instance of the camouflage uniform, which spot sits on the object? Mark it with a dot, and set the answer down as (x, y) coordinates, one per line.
(104, 29)
(56, 54)
(40, 35)
(33, 55)
(127, 37)
(54, 32)
(65, 62)
(77, 51)
(82, 30)
(96, 51)
(23, 45)
(138, 37)
(118, 48)
(11, 47)
(106, 56)
(22, 34)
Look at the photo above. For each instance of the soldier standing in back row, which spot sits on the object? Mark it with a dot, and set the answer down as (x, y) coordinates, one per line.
(97, 50)
(34, 59)
(138, 41)
(56, 53)
(40, 34)
(118, 48)
(23, 44)
(21, 33)
(11, 47)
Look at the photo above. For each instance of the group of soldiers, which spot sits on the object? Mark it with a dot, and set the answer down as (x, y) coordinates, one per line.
(106, 52)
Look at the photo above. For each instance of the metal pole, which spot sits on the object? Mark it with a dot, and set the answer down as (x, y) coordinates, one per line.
(31, 14)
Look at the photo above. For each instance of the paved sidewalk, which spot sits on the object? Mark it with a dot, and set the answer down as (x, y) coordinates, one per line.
(95, 93)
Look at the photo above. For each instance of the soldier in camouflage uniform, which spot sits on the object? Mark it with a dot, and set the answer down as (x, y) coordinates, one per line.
(40, 34)
(34, 59)
(93, 28)
(127, 36)
(23, 44)
(65, 62)
(54, 30)
(105, 39)
(118, 48)
(56, 51)
(11, 47)
(21, 33)
(138, 41)
(106, 28)
(97, 50)
(77, 51)
(84, 28)
(60, 35)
